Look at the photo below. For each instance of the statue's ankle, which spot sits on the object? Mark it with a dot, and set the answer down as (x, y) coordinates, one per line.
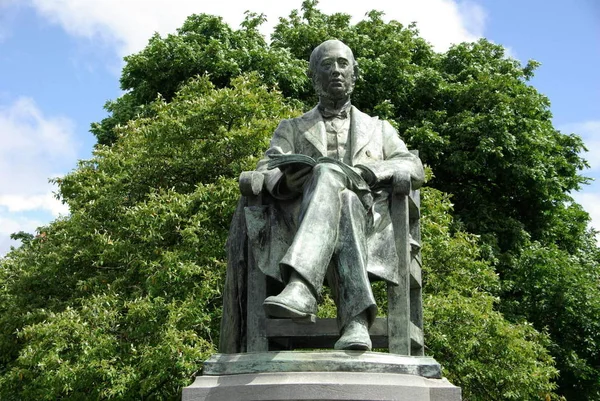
(297, 279)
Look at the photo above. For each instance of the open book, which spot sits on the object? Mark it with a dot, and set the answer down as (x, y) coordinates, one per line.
(279, 160)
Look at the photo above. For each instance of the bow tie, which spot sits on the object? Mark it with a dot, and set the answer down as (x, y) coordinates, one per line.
(341, 114)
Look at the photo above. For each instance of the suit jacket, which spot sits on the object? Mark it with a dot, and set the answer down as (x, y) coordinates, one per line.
(373, 144)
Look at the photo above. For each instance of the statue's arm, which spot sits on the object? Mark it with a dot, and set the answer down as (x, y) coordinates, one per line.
(396, 158)
(282, 142)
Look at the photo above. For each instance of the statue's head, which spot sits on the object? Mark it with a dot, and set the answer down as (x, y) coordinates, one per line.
(333, 69)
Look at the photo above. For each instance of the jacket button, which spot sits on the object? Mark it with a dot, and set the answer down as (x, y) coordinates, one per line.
(368, 153)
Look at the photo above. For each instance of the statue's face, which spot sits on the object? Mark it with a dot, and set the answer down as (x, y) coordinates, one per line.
(334, 75)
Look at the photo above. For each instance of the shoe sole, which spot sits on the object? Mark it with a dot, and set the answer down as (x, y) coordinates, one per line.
(280, 310)
(358, 346)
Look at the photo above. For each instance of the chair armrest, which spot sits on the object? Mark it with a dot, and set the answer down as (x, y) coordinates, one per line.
(401, 183)
(251, 183)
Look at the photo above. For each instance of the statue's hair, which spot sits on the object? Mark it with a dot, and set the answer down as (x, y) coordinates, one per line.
(316, 53)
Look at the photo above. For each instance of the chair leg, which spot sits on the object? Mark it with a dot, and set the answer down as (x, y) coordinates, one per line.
(256, 337)
(256, 323)
(398, 296)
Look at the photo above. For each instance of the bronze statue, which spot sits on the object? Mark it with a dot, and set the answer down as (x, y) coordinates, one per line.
(336, 226)
(331, 220)
(335, 198)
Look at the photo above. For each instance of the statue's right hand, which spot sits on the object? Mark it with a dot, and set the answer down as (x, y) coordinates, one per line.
(296, 177)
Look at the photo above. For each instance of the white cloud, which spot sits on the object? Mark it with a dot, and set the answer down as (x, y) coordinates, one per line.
(23, 203)
(441, 22)
(34, 147)
(128, 24)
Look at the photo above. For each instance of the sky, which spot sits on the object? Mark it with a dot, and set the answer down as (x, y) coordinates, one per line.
(60, 61)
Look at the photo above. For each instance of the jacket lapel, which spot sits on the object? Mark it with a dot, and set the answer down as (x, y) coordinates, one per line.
(361, 130)
(311, 125)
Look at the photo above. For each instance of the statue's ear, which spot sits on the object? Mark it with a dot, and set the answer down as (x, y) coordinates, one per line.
(356, 71)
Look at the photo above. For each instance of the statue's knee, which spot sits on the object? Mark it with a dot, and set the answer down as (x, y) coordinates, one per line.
(326, 172)
(324, 169)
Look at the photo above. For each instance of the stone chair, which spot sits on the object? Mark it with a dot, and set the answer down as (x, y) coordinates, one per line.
(401, 332)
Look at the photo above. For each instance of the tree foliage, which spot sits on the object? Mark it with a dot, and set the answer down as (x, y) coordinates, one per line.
(122, 298)
(559, 291)
(489, 357)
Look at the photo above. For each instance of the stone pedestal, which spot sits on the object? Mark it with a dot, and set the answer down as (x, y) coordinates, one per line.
(321, 375)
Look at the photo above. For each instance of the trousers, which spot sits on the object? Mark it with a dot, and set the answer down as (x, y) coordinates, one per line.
(331, 242)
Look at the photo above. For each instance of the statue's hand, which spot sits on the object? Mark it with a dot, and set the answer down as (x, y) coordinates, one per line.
(294, 177)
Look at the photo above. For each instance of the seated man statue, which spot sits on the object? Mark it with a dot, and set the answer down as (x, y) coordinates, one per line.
(341, 230)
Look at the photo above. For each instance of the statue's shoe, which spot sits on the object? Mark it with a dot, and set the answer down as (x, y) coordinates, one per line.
(296, 301)
(355, 337)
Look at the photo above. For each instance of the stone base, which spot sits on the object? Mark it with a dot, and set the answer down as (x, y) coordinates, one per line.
(320, 375)
(304, 386)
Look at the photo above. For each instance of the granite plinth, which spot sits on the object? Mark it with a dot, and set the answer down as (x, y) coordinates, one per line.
(320, 375)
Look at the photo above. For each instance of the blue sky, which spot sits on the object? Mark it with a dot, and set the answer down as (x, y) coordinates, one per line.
(60, 61)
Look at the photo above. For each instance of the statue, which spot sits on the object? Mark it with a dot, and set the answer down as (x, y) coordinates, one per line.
(318, 208)
(330, 216)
